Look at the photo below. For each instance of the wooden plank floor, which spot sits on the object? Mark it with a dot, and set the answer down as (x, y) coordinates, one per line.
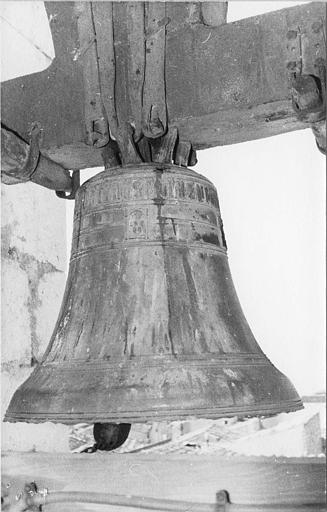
(251, 481)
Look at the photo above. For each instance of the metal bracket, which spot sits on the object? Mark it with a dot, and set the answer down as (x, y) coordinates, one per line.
(75, 186)
(23, 161)
(24, 173)
(35, 137)
(319, 131)
(33, 499)
(308, 81)
(309, 102)
(30, 498)
(306, 99)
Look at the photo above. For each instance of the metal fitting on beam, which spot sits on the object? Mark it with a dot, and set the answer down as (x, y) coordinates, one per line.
(309, 101)
(22, 162)
(319, 131)
(307, 98)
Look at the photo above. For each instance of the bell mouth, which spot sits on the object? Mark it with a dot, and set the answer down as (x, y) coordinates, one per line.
(162, 388)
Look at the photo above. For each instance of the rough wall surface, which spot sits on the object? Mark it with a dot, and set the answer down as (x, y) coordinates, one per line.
(33, 273)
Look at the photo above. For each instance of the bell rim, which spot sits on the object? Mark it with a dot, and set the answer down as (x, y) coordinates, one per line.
(258, 410)
(139, 407)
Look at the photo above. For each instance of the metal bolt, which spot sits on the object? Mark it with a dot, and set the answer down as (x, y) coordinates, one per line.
(305, 92)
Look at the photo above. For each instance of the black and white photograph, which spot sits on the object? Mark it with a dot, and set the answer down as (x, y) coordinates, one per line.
(163, 256)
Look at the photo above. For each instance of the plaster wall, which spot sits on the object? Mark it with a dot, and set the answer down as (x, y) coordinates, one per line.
(25, 26)
(296, 435)
(33, 274)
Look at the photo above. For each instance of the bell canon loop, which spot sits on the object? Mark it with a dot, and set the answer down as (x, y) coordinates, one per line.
(150, 326)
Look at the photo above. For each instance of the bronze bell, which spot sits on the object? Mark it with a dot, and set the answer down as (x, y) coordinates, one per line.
(150, 327)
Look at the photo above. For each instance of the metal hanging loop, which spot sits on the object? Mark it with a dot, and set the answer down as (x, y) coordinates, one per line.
(76, 181)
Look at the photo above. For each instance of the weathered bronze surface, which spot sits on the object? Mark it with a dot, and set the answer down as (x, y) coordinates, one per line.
(150, 327)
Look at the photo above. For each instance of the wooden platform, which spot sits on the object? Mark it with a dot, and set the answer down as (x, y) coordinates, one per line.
(285, 483)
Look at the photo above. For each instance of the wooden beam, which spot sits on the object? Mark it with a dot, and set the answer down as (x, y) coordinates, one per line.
(258, 483)
(96, 127)
(154, 90)
(224, 84)
(233, 85)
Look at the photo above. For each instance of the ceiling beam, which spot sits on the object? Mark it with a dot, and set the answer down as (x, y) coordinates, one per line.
(224, 84)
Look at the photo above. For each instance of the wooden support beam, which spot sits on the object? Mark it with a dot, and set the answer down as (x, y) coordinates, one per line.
(96, 125)
(154, 91)
(234, 84)
(224, 84)
(262, 484)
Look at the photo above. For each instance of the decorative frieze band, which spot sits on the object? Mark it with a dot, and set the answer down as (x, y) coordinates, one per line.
(146, 188)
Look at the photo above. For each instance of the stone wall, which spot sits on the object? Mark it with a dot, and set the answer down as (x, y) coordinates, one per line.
(33, 273)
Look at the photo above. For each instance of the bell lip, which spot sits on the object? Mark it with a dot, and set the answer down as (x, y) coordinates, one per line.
(150, 416)
(139, 410)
